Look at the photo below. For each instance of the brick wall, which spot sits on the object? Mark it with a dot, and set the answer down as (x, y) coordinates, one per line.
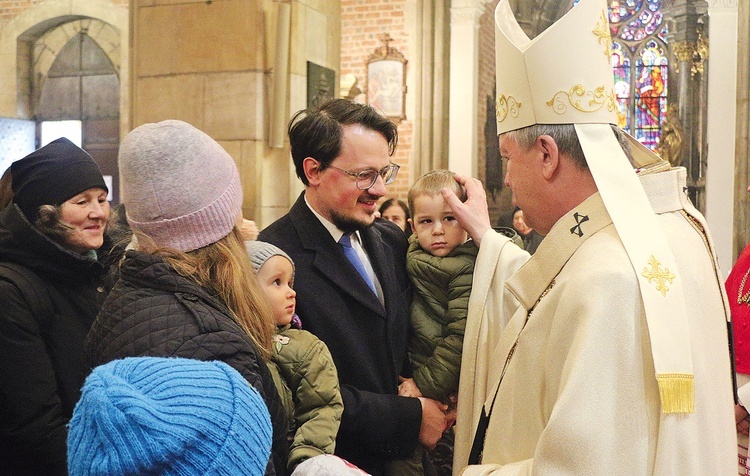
(362, 23)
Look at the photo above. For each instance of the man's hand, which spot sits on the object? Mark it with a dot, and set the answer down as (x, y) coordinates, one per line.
(434, 422)
(472, 214)
(408, 388)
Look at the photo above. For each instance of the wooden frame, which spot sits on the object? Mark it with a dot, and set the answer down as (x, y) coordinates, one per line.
(386, 80)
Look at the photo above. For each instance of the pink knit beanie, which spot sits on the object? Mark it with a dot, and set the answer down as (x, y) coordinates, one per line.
(180, 187)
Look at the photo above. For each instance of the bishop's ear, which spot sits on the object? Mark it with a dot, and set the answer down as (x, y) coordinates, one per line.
(550, 155)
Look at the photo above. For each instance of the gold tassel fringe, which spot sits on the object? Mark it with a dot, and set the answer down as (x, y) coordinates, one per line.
(677, 392)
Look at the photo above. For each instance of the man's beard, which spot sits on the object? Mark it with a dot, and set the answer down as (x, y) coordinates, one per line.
(347, 223)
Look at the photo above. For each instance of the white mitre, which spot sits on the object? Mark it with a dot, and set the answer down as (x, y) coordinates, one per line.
(564, 76)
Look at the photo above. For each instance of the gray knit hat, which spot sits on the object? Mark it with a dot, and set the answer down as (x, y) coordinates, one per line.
(180, 187)
(260, 251)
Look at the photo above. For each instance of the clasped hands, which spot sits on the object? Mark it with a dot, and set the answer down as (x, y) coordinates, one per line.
(436, 416)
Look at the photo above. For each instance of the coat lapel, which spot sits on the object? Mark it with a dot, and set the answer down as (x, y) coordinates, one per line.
(382, 260)
(330, 260)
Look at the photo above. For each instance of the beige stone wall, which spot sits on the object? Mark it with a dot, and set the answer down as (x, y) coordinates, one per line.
(210, 64)
(315, 36)
(11, 8)
(203, 63)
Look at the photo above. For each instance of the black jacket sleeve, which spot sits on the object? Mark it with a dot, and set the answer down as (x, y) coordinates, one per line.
(33, 424)
(367, 420)
(235, 351)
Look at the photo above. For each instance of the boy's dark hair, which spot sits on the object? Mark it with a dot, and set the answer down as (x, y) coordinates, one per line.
(317, 133)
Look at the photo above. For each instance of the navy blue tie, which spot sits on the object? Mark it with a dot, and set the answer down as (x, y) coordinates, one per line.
(346, 242)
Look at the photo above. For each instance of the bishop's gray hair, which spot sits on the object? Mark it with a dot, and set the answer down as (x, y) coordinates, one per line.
(566, 139)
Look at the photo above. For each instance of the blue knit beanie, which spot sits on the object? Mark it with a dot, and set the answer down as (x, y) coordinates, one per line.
(168, 416)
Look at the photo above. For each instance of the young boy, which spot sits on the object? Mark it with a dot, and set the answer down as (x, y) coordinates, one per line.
(301, 365)
(440, 263)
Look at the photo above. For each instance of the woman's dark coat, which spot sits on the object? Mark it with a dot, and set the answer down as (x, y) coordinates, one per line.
(41, 353)
(153, 311)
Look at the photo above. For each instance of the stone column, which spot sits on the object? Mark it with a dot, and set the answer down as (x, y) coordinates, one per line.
(742, 168)
(721, 126)
(428, 80)
(280, 92)
(685, 87)
(463, 130)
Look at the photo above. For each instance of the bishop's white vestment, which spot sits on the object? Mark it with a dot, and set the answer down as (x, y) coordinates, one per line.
(572, 374)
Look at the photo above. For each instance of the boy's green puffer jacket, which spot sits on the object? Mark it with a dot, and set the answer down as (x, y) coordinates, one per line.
(442, 286)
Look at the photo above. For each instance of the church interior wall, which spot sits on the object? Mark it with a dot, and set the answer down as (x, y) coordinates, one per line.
(23, 22)
(216, 75)
(207, 73)
(33, 35)
(498, 196)
(212, 64)
(315, 37)
(362, 24)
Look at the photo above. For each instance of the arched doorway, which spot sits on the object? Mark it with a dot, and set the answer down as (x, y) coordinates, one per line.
(32, 41)
(80, 83)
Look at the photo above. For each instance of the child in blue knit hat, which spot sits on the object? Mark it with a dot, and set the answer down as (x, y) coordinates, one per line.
(302, 366)
(168, 416)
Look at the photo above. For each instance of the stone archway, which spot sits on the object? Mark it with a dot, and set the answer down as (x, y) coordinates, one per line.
(15, 43)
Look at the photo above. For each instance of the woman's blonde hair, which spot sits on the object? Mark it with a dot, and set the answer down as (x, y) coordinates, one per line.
(223, 268)
(6, 189)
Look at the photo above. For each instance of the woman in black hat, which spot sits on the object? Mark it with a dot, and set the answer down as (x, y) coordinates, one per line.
(52, 284)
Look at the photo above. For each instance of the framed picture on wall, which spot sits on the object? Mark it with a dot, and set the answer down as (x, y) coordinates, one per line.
(320, 84)
(386, 80)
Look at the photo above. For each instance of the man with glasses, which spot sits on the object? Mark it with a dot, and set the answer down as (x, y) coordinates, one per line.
(351, 282)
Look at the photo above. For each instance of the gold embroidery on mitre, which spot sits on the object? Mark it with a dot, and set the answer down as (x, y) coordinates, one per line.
(601, 30)
(505, 106)
(584, 101)
(662, 276)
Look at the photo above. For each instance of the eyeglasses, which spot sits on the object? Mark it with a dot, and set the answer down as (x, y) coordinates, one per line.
(367, 178)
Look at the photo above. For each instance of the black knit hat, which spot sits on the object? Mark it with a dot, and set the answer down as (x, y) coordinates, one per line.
(52, 174)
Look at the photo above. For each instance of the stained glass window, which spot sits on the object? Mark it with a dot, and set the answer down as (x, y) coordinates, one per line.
(640, 66)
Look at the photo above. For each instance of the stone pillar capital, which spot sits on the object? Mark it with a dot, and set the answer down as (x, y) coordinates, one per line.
(467, 11)
(723, 4)
(682, 50)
